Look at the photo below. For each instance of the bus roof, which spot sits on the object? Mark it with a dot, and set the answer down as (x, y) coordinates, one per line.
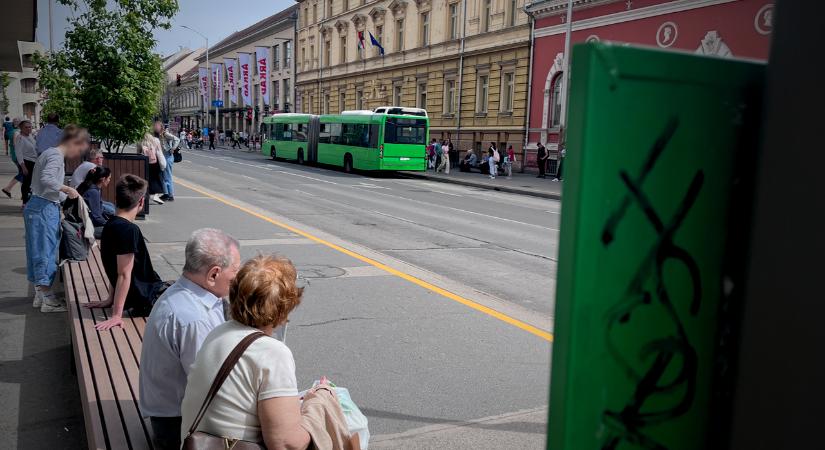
(364, 117)
(287, 117)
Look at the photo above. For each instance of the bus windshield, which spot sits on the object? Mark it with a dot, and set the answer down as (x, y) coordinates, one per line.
(405, 131)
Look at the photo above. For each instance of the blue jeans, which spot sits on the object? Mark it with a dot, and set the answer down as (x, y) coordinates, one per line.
(42, 222)
(108, 208)
(168, 186)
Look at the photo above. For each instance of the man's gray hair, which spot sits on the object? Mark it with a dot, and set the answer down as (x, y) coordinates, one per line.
(209, 247)
(93, 153)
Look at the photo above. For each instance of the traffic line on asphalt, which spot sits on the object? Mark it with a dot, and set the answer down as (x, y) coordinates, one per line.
(412, 279)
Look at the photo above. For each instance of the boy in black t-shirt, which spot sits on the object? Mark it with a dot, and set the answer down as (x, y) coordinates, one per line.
(125, 256)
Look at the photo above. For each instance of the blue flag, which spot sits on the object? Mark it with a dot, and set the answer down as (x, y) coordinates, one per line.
(377, 44)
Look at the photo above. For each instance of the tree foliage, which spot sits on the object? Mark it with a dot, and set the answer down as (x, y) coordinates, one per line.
(107, 77)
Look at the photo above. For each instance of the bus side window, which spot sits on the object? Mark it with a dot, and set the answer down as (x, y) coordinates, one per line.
(323, 134)
(373, 139)
(277, 132)
(301, 134)
(287, 132)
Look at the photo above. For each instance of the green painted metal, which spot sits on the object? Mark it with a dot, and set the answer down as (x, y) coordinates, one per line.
(656, 142)
(395, 156)
(284, 148)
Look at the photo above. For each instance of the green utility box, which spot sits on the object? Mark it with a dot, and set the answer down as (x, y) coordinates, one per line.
(657, 191)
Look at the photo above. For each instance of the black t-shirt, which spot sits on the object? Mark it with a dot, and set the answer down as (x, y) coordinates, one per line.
(121, 237)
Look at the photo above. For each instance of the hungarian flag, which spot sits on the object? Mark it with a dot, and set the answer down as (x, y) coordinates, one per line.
(361, 43)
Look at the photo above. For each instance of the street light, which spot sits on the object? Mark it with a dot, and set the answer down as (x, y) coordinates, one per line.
(208, 71)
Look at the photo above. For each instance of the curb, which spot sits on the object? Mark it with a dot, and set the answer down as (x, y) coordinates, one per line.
(512, 190)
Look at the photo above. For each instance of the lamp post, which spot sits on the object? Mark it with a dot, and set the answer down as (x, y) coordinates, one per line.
(208, 71)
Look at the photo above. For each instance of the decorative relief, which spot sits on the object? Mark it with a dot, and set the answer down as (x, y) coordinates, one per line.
(666, 34)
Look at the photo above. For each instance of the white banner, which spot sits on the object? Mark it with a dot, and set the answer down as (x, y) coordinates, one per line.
(230, 78)
(216, 70)
(262, 56)
(203, 74)
(245, 74)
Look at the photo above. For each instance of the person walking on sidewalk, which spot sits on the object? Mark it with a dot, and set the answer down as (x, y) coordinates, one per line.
(41, 217)
(26, 149)
(235, 138)
(20, 171)
(169, 143)
(562, 154)
(444, 166)
(150, 147)
(8, 133)
(493, 159)
(211, 139)
(541, 160)
(509, 160)
(49, 136)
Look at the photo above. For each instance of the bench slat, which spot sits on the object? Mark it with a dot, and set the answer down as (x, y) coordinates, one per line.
(108, 408)
(123, 372)
(88, 392)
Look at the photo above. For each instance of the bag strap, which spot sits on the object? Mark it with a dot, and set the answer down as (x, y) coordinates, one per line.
(223, 373)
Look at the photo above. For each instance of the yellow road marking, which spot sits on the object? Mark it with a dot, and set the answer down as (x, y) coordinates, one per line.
(429, 286)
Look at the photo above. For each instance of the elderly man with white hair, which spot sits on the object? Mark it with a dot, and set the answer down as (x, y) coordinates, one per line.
(178, 325)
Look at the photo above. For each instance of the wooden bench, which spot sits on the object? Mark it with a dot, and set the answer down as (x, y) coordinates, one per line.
(106, 362)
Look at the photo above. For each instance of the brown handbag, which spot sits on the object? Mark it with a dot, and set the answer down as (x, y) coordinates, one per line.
(199, 440)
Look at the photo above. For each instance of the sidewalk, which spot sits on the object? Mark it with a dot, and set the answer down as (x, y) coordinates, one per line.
(521, 183)
(38, 390)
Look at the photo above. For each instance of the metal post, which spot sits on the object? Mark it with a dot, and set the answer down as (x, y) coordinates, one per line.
(566, 71)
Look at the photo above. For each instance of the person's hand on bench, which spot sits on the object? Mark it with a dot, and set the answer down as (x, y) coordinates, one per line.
(114, 321)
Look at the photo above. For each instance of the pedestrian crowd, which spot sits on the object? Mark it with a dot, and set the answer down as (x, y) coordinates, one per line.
(442, 155)
(213, 326)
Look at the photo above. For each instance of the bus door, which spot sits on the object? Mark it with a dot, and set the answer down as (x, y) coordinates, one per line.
(312, 138)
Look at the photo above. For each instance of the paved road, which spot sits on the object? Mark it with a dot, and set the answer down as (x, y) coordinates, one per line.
(431, 302)
(501, 244)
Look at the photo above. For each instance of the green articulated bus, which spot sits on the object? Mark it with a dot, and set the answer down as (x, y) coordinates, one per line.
(363, 140)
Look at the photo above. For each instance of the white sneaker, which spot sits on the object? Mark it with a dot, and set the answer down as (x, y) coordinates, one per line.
(37, 301)
(555, 179)
(51, 304)
(156, 199)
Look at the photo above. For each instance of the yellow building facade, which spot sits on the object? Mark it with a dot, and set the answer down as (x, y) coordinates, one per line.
(465, 61)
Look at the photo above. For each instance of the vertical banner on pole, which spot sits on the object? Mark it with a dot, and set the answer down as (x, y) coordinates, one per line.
(245, 73)
(230, 79)
(651, 248)
(216, 70)
(203, 76)
(262, 56)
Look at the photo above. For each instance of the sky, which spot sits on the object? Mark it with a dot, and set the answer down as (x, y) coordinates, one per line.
(216, 19)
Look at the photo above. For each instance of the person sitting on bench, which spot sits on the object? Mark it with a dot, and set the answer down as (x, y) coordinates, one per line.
(125, 257)
(470, 160)
(177, 326)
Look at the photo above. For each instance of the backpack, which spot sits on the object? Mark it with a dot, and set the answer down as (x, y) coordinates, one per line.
(74, 244)
(496, 156)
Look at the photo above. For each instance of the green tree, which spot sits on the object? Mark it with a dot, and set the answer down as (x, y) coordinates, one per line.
(107, 76)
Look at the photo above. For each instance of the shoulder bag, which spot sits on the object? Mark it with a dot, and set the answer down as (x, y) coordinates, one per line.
(199, 440)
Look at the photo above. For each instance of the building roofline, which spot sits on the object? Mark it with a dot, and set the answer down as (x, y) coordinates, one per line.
(544, 8)
(259, 29)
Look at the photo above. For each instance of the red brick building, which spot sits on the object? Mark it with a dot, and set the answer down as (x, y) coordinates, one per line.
(722, 28)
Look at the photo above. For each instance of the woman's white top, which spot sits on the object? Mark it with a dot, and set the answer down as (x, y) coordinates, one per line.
(265, 370)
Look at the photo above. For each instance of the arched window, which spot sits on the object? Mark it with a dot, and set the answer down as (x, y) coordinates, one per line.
(555, 101)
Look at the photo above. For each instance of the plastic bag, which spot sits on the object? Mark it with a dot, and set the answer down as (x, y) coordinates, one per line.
(356, 420)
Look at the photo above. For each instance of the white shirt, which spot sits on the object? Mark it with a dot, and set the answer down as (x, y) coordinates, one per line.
(179, 323)
(266, 370)
(80, 173)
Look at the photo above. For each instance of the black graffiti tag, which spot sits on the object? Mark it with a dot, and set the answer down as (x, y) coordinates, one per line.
(672, 353)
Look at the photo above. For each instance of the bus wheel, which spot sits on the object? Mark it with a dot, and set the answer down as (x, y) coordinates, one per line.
(348, 163)
(301, 156)
(272, 152)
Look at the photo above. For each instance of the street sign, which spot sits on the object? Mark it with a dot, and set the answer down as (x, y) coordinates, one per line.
(217, 103)
(656, 179)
